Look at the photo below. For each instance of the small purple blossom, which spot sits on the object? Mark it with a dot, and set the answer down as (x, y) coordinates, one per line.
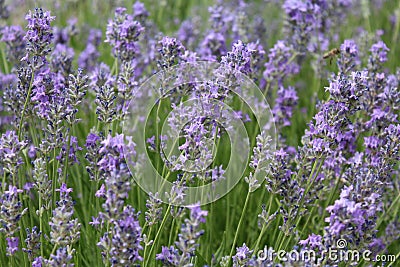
(186, 244)
(12, 245)
(379, 51)
(38, 37)
(122, 34)
(243, 257)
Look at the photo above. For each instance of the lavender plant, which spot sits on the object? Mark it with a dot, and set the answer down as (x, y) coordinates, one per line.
(322, 174)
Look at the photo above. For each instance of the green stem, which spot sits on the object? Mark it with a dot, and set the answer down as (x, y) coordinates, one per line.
(171, 232)
(396, 258)
(332, 193)
(3, 55)
(265, 227)
(146, 245)
(41, 226)
(54, 179)
(25, 106)
(297, 219)
(381, 218)
(67, 155)
(3, 184)
(53, 250)
(239, 225)
(157, 235)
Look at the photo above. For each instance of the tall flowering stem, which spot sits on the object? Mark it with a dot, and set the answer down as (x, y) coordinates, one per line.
(38, 37)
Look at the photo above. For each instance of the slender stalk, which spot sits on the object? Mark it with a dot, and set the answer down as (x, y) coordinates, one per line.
(239, 225)
(265, 227)
(41, 226)
(397, 257)
(146, 245)
(28, 97)
(157, 236)
(54, 179)
(5, 64)
(67, 155)
(381, 218)
(312, 177)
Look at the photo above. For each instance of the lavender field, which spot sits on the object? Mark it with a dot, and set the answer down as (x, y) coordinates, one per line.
(199, 133)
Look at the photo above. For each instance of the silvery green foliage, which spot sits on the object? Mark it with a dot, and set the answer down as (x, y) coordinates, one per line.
(32, 242)
(184, 250)
(42, 183)
(65, 230)
(260, 161)
(11, 211)
(154, 209)
(10, 153)
(77, 88)
(106, 106)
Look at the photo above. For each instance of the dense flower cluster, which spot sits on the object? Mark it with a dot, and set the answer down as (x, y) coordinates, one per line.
(323, 168)
(123, 33)
(182, 253)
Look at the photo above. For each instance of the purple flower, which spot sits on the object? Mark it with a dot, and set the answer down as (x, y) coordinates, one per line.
(188, 33)
(154, 209)
(280, 63)
(302, 18)
(101, 76)
(139, 10)
(169, 256)
(13, 36)
(73, 148)
(88, 58)
(91, 140)
(12, 245)
(38, 262)
(38, 37)
(64, 230)
(11, 210)
(64, 190)
(244, 58)
(114, 149)
(213, 45)
(32, 242)
(170, 52)
(285, 102)
(313, 241)
(101, 192)
(63, 257)
(349, 47)
(122, 34)
(63, 35)
(10, 149)
(126, 238)
(187, 238)
(28, 186)
(61, 59)
(379, 51)
(243, 257)
(353, 215)
(95, 221)
(32, 151)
